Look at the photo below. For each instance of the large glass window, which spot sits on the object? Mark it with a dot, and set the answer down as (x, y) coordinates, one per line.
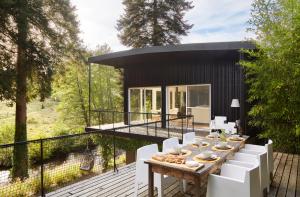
(198, 96)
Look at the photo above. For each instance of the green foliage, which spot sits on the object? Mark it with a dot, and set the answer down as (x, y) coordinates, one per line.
(45, 30)
(52, 178)
(71, 89)
(153, 23)
(274, 71)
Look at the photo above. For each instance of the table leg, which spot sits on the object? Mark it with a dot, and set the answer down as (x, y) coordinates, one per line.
(150, 181)
(198, 187)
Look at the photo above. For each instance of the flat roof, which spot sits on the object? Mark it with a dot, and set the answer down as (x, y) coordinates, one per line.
(136, 56)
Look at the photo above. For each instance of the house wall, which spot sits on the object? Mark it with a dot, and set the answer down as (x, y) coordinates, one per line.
(223, 73)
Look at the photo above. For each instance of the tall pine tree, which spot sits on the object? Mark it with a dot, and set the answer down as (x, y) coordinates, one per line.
(153, 22)
(34, 36)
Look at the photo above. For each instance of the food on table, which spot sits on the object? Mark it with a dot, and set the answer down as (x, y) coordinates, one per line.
(236, 138)
(214, 135)
(175, 159)
(192, 164)
(177, 151)
(205, 155)
(200, 144)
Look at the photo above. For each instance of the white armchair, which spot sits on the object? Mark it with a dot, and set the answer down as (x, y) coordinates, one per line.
(144, 153)
(255, 159)
(234, 181)
(269, 148)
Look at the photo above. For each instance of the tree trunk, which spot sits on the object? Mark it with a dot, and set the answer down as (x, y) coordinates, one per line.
(155, 33)
(20, 157)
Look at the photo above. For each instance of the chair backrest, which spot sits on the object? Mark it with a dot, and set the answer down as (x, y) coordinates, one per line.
(230, 127)
(246, 158)
(220, 120)
(259, 158)
(269, 148)
(170, 143)
(144, 153)
(188, 138)
(252, 177)
(249, 175)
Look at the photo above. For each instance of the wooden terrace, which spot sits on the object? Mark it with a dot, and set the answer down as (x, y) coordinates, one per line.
(286, 182)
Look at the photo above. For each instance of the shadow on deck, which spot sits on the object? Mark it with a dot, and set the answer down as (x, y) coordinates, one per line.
(286, 182)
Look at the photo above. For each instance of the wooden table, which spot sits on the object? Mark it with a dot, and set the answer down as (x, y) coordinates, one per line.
(165, 168)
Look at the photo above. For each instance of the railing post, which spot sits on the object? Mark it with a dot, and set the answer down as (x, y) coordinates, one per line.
(42, 167)
(99, 119)
(114, 143)
(168, 125)
(193, 119)
(182, 128)
(155, 129)
(129, 122)
(113, 119)
(147, 123)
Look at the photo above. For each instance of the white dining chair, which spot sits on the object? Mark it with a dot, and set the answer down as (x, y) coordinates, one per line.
(230, 127)
(170, 143)
(141, 173)
(188, 138)
(234, 181)
(256, 159)
(267, 147)
(219, 120)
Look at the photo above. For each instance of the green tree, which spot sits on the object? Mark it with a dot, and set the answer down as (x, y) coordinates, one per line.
(34, 36)
(153, 23)
(71, 88)
(274, 71)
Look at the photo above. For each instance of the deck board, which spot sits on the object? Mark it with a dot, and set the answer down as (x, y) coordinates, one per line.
(286, 182)
(298, 179)
(293, 178)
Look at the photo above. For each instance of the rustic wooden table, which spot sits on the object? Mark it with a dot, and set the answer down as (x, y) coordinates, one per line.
(179, 172)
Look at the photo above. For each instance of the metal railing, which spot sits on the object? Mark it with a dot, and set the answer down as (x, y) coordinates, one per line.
(54, 162)
(134, 120)
(57, 161)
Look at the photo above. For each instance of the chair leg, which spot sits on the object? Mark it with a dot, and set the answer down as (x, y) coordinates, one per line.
(136, 189)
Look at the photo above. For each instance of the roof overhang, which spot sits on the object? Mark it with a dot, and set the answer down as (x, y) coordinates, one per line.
(158, 54)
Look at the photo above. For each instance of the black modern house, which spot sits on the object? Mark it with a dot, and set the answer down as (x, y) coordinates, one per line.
(200, 79)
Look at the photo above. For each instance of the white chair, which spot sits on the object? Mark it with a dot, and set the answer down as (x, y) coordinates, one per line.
(220, 120)
(188, 138)
(256, 159)
(170, 144)
(230, 127)
(269, 148)
(141, 174)
(234, 181)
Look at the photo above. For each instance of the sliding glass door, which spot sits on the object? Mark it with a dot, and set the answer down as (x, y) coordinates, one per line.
(198, 97)
(190, 99)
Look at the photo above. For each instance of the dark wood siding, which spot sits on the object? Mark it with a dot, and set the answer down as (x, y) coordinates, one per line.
(222, 72)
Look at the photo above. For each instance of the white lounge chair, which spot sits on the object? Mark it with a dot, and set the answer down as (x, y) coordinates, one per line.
(234, 181)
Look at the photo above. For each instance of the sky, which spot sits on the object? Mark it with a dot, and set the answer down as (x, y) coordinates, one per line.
(214, 21)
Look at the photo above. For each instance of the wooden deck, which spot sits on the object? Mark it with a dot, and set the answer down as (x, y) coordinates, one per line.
(286, 182)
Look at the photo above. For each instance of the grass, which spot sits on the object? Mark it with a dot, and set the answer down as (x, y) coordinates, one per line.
(42, 117)
(52, 178)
